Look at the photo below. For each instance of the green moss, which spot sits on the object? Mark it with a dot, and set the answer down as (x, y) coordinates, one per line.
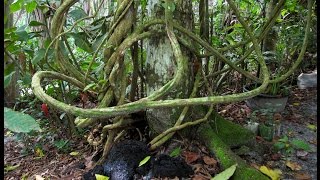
(230, 133)
(226, 157)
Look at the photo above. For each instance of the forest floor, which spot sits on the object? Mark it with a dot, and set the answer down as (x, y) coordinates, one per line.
(41, 156)
(298, 121)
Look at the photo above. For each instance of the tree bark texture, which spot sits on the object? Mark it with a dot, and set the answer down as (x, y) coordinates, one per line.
(161, 65)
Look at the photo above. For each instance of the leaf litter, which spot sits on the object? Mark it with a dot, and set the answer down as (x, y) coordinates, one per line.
(299, 121)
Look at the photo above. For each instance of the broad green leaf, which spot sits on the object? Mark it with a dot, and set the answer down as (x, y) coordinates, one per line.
(81, 42)
(97, 42)
(7, 79)
(279, 145)
(36, 23)
(176, 152)
(78, 14)
(226, 174)
(145, 160)
(273, 174)
(171, 6)
(16, 6)
(10, 30)
(31, 6)
(19, 122)
(23, 35)
(89, 86)
(22, 28)
(26, 79)
(300, 144)
(9, 69)
(47, 43)
(28, 50)
(284, 139)
(39, 55)
(101, 177)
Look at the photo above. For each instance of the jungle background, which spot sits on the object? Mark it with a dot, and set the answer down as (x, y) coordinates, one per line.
(169, 73)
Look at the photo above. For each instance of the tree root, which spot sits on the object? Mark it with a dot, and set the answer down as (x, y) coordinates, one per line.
(226, 157)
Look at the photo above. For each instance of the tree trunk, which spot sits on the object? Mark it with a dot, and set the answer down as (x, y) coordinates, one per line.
(11, 92)
(269, 43)
(161, 66)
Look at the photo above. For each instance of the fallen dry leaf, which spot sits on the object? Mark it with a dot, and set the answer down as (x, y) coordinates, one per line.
(190, 156)
(276, 156)
(204, 150)
(255, 165)
(38, 177)
(294, 166)
(199, 177)
(302, 176)
(301, 153)
(210, 161)
(273, 174)
(313, 141)
(197, 168)
(290, 133)
(312, 127)
(277, 117)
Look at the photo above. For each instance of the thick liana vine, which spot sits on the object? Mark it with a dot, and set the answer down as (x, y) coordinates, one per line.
(114, 77)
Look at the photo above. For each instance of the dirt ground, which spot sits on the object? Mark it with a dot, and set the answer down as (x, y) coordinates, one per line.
(50, 162)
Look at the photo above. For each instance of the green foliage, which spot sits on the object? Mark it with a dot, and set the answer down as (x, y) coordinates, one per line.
(169, 6)
(176, 152)
(19, 122)
(288, 146)
(16, 6)
(78, 14)
(300, 144)
(81, 42)
(226, 174)
(36, 23)
(7, 79)
(39, 56)
(90, 86)
(144, 161)
(8, 168)
(101, 177)
(62, 145)
(31, 6)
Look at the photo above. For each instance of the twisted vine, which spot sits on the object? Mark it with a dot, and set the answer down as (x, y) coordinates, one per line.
(152, 101)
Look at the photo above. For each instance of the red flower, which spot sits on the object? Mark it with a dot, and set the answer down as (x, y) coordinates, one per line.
(45, 109)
